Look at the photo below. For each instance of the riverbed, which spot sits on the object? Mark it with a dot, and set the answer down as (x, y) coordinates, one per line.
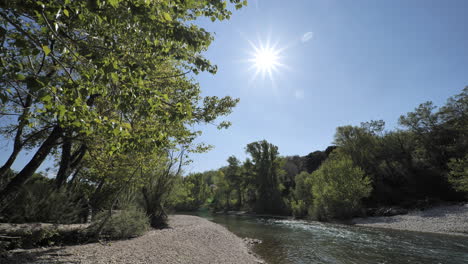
(292, 241)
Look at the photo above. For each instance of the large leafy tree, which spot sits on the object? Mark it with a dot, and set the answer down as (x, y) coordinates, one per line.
(234, 177)
(338, 187)
(265, 161)
(118, 70)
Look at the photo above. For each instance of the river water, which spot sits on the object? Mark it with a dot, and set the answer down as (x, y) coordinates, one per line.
(293, 241)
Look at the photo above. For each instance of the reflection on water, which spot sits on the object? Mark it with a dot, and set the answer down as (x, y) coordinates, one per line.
(291, 241)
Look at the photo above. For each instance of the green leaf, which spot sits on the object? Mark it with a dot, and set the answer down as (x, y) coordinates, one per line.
(65, 12)
(20, 77)
(76, 123)
(46, 99)
(114, 3)
(46, 49)
(114, 77)
(167, 17)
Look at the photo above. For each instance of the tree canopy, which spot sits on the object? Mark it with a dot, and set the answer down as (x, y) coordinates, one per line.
(112, 75)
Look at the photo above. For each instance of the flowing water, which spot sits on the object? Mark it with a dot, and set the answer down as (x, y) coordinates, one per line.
(292, 241)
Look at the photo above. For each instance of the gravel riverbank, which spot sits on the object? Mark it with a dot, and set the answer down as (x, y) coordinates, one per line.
(452, 219)
(189, 239)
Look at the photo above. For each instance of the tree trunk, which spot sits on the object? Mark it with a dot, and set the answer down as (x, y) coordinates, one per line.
(69, 162)
(10, 192)
(158, 218)
(239, 198)
(6, 167)
(18, 145)
(65, 161)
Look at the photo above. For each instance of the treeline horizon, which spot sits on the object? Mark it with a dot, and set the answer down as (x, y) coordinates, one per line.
(424, 162)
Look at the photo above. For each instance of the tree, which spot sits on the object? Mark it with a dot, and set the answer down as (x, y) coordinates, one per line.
(190, 192)
(303, 196)
(75, 70)
(290, 166)
(222, 191)
(234, 177)
(458, 175)
(314, 159)
(266, 166)
(158, 184)
(440, 135)
(338, 187)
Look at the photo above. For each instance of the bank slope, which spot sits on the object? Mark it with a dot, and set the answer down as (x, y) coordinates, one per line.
(189, 239)
(451, 219)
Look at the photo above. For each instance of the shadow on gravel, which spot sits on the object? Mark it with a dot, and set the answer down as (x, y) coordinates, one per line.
(51, 255)
(440, 212)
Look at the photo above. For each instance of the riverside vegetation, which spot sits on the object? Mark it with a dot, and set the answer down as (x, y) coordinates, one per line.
(105, 89)
(418, 165)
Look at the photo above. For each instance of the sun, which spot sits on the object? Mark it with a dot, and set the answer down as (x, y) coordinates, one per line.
(265, 59)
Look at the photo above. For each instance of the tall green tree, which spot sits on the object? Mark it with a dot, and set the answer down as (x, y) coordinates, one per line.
(338, 187)
(234, 177)
(266, 168)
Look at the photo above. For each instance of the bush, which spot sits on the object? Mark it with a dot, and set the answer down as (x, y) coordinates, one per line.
(40, 201)
(302, 194)
(120, 224)
(458, 175)
(299, 209)
(338, 187)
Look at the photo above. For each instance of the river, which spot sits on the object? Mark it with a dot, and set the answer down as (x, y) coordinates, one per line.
(293, 241)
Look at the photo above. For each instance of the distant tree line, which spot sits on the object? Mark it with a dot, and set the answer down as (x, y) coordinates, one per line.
(422, 162)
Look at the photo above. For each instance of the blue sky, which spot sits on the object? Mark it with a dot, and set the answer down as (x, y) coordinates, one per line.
(365, 60)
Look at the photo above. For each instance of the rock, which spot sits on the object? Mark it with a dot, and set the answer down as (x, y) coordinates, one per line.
(251, 241)
(388, 211)
(371, 211)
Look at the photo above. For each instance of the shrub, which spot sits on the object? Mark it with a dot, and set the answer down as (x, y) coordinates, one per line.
(458, 175)
(299, 209)
(338, 187)
(123, 224)
(39, 201)
(303, 195)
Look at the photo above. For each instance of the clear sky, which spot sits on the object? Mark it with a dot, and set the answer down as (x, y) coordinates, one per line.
(342, 62)
(363, 60)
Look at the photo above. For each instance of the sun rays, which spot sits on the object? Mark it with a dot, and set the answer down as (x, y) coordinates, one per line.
(265, 59)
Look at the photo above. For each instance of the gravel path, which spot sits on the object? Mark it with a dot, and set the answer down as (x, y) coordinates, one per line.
(189, 239)
(451, 219)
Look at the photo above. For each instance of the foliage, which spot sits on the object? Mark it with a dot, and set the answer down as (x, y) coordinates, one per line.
(399, 161)
(234, 178)
(39, 201)
(160, 179)
(121, 224)
(109, 77)
(299, 209)
(266, 167)
(303, 187)
(458, 175)
(190, 192)
(41, 237)
(368, 166)
(338, 187)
